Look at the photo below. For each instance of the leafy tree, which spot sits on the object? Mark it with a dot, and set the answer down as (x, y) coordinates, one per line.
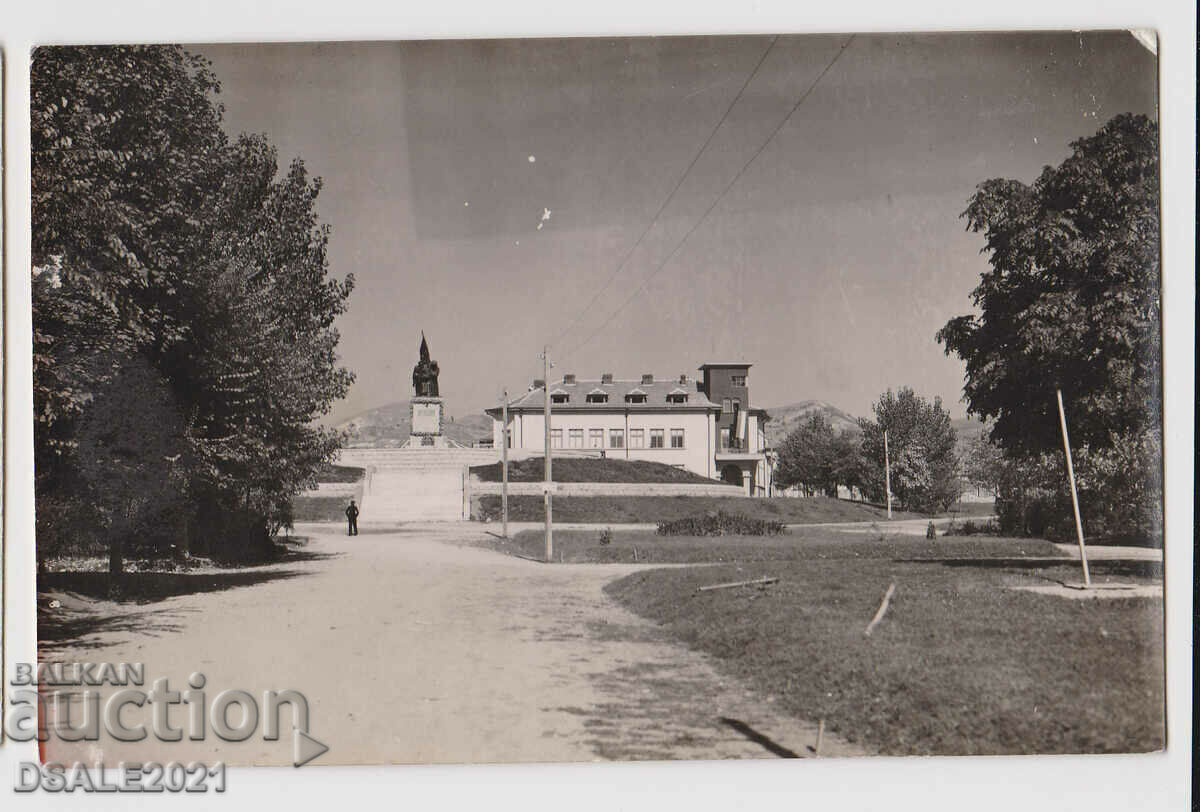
(817, 459)
(921, 447)
(805, 457)
(126, 443)
(1072, 302)
(158, 239)
(1072, 298)
(983, 464)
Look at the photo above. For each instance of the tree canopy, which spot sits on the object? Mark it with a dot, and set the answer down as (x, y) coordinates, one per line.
(160, 241)
(1072, 298)
(1072, 301)
(920, 447)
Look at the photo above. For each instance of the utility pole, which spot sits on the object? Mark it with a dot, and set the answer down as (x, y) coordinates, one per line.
(1062, 418)
(504, 466)
(549, 483)
(887, 474)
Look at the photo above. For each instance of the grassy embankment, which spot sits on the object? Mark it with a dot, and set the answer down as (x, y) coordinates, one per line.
(636, 509)
(960, 664)
(590, 469)
(316, 508)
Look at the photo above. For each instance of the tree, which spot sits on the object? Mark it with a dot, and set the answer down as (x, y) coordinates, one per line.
(1072, 298)
(159, 240)
(1072, 302)
(921, 441)
(983, 464)
(805, 457)
(817, 459)
(126, 443)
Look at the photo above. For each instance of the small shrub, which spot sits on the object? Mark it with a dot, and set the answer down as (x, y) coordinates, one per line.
(973, 528)
(720, 524)
(606, 536)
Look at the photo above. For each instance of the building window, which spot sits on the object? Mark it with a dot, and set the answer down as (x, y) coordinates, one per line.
(635, 397)
(656, 438)
(637, 438)
(676, 438)
(616, 438)
(726, 404)
(559, 397)
(724, 439)
(597, 397)
(595, 438)
(556, 438)
(677, 397)
(574, 438)
(738, 380)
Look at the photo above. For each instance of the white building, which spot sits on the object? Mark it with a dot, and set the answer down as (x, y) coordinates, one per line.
(704, 425)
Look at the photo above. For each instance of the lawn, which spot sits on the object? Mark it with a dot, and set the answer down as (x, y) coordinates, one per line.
(628, 546)
(653, 509)
(590, 469)
(341, 473)
(959, 664)
(319, 508)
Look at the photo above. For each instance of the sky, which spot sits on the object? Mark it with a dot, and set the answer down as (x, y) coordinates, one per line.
(486, 192)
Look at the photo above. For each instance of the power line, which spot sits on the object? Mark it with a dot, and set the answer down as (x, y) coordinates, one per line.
(667, 201)
(717, 200)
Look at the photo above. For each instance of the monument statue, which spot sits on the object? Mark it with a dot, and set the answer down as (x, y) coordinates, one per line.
(425, 373)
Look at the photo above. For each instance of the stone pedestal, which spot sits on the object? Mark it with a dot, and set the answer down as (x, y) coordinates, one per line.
(425, 416)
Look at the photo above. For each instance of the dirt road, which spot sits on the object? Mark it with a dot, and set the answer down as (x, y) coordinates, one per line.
(413, 646)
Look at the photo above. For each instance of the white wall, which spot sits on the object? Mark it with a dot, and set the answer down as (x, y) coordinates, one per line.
(698, 434)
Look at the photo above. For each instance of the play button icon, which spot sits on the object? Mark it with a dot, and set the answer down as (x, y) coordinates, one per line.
(306, 748)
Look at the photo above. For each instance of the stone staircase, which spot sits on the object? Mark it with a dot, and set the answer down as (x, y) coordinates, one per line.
(414, 484)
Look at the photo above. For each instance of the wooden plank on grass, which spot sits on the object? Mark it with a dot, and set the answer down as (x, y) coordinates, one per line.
(755, 582)
(887, 597)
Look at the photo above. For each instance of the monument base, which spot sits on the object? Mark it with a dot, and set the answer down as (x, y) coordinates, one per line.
(425, 416)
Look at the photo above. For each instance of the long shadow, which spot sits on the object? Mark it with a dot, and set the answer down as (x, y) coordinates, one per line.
(1145, 569)
(765, 742)
(72, 630)
(150, 587)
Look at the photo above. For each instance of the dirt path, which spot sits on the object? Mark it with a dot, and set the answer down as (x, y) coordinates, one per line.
(413, 647)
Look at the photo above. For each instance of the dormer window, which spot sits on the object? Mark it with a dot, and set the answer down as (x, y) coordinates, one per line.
(677, 396)
(559, 396)
(635, 396)
(738, 380)
(597, 396)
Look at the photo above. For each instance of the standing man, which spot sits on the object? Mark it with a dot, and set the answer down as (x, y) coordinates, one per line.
(352, 519)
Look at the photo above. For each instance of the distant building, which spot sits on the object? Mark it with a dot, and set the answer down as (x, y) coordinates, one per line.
(705, 425)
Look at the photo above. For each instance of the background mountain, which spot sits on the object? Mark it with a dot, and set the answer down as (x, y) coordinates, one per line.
(389, 426)
(785, 419)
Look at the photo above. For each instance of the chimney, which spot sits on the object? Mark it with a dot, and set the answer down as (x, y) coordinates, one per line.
(647, 378)
(538, 383)
(606, 377)
(569, 380)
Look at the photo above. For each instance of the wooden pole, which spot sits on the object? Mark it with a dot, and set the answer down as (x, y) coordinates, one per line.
(1062, 419)
(504, 467)
(549, 479)
(887, 474)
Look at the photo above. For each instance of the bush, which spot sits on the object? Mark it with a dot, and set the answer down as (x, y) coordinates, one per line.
(720, 524)
(972, 528)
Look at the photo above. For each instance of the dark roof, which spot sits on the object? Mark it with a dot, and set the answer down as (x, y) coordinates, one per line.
(656, 396)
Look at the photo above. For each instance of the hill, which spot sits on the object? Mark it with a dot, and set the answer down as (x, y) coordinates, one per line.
(389, 426)
(785, 419)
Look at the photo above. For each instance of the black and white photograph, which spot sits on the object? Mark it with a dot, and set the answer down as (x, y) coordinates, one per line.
(639, 398)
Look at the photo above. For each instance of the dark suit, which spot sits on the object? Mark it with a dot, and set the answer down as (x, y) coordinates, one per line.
(352, 520)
